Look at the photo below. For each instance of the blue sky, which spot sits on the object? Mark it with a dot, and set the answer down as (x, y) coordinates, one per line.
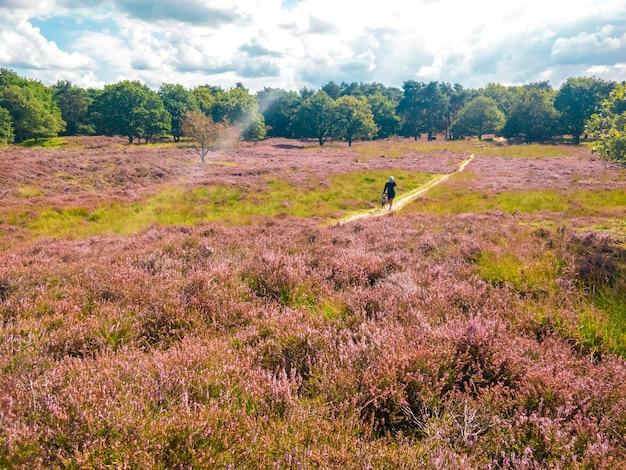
(296, 43)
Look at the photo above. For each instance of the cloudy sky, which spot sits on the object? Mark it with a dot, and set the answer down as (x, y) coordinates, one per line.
(295, 43)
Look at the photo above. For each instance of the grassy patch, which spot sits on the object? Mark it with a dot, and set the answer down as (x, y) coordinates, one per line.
(181, 206)
(529, 151)
(602, 324)
(617, 226)
(28, 191)
(398, 149)
(535, 276)
(168, 144)
(46, 142)
(450, 200)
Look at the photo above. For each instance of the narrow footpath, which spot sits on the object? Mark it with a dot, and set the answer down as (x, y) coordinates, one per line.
(407, 198)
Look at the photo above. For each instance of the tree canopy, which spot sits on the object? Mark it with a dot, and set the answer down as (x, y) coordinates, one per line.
(33, 111)
(178, 101)
(354, 119)
(385, 116)
(73, 102)
(477, 117)
(341, 110)
(6, 127)
(577, 99)
(130, 109)
(532, 115)
(317, 116)
(608, 126)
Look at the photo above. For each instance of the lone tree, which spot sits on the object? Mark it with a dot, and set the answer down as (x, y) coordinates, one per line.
(203, 131)
(354, 119)
(477, 117)
(609, 126)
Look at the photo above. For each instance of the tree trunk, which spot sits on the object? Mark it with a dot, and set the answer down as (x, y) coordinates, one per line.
(130, 139)
(349, 141)
(320, 140)
(577, 139)
(480, 137)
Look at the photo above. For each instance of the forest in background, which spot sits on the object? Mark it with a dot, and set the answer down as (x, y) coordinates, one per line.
(536, 112)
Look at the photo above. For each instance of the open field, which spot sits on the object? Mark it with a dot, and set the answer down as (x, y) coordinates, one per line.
(155, 312)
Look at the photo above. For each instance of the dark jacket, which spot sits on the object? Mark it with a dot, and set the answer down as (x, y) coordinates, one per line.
(390, 189)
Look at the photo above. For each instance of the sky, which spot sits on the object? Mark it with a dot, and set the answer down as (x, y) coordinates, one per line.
(297, 43)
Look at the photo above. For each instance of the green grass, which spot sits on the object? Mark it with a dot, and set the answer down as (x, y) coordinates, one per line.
(28, 191)
(534, 276)
(451, 199)
(398, 149)
(168, 144)
(528, 151)
(182, 206)
(45, 142)
(602, 325)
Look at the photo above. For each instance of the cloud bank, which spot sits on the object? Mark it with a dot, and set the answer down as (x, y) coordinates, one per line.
(294, 43)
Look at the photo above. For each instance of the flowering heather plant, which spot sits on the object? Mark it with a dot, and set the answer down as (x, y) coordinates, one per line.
(409, 341)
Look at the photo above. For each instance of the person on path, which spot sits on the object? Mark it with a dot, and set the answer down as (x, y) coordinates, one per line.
(390, 191)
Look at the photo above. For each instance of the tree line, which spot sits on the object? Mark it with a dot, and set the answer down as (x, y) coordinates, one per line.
(348, 111)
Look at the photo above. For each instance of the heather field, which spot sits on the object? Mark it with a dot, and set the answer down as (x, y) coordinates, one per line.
(160, 313)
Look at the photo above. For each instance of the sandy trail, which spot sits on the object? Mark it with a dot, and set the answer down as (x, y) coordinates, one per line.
(407, 198)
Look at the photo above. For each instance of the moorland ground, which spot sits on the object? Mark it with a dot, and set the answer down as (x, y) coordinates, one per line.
(156, 312)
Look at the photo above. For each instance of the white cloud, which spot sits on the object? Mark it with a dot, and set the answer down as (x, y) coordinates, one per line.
(262, 43)
(22, 45)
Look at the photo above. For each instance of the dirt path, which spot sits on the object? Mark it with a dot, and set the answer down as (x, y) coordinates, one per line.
(407, 198)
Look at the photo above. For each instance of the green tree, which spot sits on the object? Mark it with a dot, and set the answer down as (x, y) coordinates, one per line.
(385, 117)
(455, 98)
(204, 96)
(6, 127)
(255, 130)
(151, 119)
(332, 89)
(317, 116)
(279, 109)
(410, 108)
(131, 109)
(532, 116)
(354, 119)
(504, 96)
(31, 117)
(73, 102)
(236, 106)
(608, 126)
(479, 116)
(32, 107)
(178, 101)
(422, 109)
(577, 100)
